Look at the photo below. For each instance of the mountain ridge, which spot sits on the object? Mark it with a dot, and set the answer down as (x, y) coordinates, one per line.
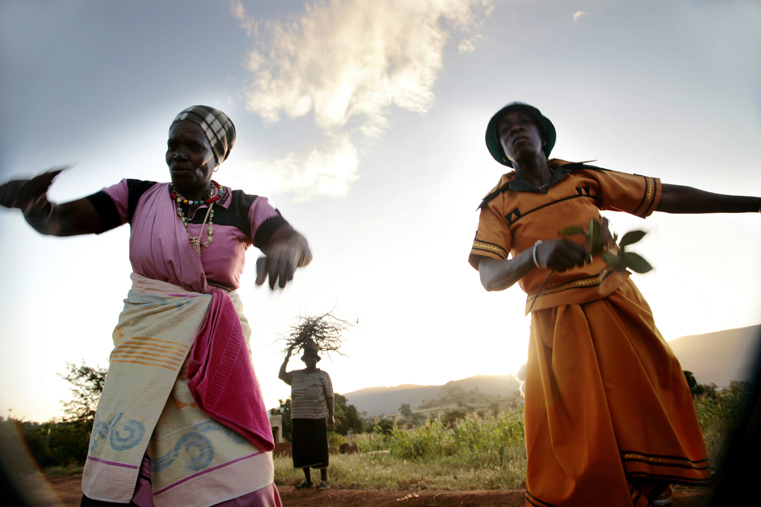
(714, 358)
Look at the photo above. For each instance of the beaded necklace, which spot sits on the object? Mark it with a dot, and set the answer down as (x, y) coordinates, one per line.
(213, 197)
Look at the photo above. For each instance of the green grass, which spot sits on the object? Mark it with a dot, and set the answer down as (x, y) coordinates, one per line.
(478, 452)
(475, 453)
(385, 472)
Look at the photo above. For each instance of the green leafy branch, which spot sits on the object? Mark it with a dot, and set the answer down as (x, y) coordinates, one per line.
(615, 255)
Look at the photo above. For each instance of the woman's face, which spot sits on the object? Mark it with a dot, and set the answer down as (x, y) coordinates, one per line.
(190, 159)
(311, 362)
(519, 135)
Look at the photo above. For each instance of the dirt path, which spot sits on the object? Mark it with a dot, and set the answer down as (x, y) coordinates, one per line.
(69, 493)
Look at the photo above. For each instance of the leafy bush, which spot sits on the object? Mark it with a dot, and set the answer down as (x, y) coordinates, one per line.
(480, 440)
(57, 444)
(383, 426)
(719, 413)
(335, 439)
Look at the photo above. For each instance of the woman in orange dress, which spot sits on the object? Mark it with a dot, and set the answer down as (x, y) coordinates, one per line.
(609, 417)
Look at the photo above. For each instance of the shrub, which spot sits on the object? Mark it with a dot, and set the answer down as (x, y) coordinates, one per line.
(719, 413)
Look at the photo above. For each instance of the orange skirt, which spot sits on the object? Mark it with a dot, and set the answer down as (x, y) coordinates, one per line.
(607, 406)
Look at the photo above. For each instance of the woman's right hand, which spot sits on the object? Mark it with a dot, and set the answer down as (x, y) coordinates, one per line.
(561, 254)
(28, 194)
(67, 219)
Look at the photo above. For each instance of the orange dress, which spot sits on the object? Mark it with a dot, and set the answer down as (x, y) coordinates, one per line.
(607, 407)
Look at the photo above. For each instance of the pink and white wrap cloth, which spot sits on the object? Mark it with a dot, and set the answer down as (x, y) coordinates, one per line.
(147, 405)
(220, 375)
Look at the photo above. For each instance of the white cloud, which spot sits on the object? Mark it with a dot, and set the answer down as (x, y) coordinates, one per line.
(347, 62)
(247, 21)
(325, 172)
(469, 45)
(579, 14)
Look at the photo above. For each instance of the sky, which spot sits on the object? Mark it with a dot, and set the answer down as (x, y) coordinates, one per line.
(363, 122)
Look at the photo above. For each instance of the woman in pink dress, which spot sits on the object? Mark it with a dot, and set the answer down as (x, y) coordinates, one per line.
(181, 420)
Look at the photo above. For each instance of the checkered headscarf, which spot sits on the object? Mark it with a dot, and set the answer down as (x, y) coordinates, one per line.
(219, 129)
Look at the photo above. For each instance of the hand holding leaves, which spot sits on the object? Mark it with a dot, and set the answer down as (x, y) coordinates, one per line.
(615, 255)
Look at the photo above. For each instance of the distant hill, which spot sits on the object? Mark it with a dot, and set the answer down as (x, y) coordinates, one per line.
(714, 358)
(387, 400)
(717, 358)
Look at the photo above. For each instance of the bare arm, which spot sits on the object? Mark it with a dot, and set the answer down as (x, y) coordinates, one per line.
(282, 374)
(559, 254)
(331, 413)
(682, 199)
(286, 251)
(68, 219)
(30, 196)
(498, 274)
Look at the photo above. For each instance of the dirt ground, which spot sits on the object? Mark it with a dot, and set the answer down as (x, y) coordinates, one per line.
(69, 492)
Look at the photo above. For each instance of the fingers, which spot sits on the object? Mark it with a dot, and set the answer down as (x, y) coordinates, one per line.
(279, 266)
(562, 254)
(279, 269)
(24, 193)
(306, 256)
(40, 184)
(605, 235)
(261, 270)
(10, 193)
(285, 268)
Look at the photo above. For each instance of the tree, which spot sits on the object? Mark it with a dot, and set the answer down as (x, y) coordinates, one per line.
(57, 444)
(453, 416)
(406, 411)
(695, 388)
(86, 387)
(347, 416)
(381, 425)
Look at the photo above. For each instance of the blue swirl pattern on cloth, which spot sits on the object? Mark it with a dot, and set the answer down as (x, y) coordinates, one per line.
(121, 437)
(197, 446)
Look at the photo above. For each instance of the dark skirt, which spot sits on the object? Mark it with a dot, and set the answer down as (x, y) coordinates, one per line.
(310, 443)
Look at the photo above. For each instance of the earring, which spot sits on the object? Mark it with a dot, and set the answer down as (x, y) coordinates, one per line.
(216, 169)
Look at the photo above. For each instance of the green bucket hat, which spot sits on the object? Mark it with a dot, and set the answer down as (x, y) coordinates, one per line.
(492, 140)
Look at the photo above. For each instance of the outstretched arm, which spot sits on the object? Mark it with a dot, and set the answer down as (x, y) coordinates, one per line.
(286, 251)
(30, 196)
(682, 199)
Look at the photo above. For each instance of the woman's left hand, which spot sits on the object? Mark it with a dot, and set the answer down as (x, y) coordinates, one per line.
(287, 250)
(331, 422)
